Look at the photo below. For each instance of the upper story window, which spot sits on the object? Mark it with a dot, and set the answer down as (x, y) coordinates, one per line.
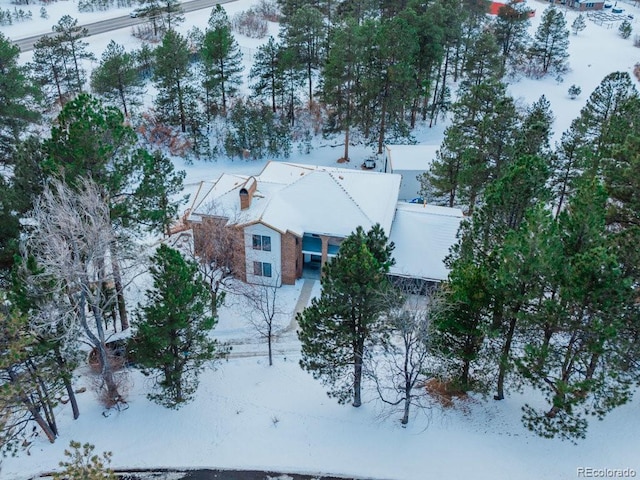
(262, 242)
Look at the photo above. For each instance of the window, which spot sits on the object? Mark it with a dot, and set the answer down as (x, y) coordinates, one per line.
(262, 242)
(262, 269)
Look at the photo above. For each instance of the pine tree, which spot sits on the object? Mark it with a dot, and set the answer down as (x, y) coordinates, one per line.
(511, 34)
(172, 343)
(70, 35)
(305, 35)
(117, 78)
(337, 329)
(579, 24)
(50, 69)
(172, 13)
(266, 73)
(625, 29)
(341, 78)
(222, 60)
(536, 129)
(482, 61)
(172, 77)
(19, 98)
(155, 206)
(477, 146)
(549, 51)
(28, 384)
(602, 126)
(82, 464)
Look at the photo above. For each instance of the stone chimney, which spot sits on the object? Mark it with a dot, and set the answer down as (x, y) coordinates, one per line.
(246, 192)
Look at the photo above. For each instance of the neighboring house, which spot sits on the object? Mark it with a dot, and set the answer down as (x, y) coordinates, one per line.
(409, 161)
(294, 217)
(581, 5)
(423, 235)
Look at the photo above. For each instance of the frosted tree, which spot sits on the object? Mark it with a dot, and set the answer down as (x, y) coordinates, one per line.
(625, 29)
(579, 24)
(71, 240)
(399, 368)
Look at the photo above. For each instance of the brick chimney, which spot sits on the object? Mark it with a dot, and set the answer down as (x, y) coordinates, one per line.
(246, 192)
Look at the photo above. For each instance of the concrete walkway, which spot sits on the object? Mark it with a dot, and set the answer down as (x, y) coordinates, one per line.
(302, 303)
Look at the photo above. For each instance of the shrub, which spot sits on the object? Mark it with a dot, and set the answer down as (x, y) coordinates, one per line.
(574, 91)
(250, 23)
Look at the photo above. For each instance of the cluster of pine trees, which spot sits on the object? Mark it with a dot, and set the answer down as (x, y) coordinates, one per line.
(542, 290)
(370, 70)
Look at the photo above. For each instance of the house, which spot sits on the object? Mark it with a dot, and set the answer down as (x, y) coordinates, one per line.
(293, 217)
(409, 161)
(584, 5)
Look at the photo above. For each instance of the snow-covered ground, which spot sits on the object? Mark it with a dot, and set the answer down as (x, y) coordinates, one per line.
(248, 415)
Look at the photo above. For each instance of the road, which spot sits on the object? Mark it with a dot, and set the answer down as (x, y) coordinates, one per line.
(26, 44)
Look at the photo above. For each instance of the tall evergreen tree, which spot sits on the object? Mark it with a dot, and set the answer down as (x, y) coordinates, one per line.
(266, 73)
(510, 30)
(172, 343)
(173, 77)
(70, 35)
(535, 131)
(477, 146)
(50, 69)
(608, 116)
(341, 80)
(19, 98)
(305, 35)
(548, 52)
(117, 78)
(343, 323)
(222, 60)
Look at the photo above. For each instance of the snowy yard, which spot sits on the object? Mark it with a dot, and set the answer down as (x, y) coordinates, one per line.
(248, 415)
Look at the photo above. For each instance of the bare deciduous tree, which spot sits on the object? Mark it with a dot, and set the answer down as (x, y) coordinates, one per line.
(71, 239)
(398, 366)
(218, 248)
(265, 310)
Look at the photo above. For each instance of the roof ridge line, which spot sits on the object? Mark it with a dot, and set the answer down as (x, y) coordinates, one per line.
(349, 196)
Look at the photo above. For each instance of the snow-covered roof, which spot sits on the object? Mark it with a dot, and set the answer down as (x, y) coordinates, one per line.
(303, 198)
(423, 235)
(410, 157)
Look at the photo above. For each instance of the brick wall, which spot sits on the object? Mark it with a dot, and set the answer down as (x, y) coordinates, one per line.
(291, 248)
(206, 231)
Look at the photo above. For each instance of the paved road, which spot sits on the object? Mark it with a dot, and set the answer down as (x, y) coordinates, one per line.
(26, 44)
(220, 475)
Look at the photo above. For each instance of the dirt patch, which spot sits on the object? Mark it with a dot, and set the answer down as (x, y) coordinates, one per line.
(444, 392)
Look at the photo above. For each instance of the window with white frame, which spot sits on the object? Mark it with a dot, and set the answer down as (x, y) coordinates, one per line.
(262, 269)
(262, 242)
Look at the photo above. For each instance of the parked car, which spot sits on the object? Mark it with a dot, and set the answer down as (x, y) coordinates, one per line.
(134, 14)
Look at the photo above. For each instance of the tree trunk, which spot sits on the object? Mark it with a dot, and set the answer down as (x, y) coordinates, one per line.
(269, 339)
(407, 405)
(504, 359)
(67, 382)
(117, 282)
(358, 348)
(383, 115)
